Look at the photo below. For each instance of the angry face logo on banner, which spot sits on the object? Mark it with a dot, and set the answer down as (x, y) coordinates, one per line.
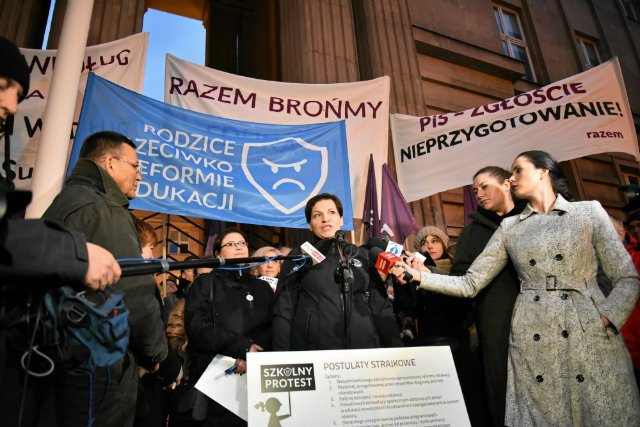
(284, 183)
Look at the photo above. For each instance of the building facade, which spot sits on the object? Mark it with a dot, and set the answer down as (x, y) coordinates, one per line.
(441, 55)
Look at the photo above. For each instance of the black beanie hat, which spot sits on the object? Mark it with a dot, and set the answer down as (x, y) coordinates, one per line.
(13, 65)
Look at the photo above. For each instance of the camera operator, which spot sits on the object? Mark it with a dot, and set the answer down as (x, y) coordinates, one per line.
(35, 255)
(36, 252)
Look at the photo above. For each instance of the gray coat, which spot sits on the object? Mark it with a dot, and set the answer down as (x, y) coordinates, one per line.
(565, 367)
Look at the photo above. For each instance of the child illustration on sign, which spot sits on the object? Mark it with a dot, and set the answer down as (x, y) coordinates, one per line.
(272, 406)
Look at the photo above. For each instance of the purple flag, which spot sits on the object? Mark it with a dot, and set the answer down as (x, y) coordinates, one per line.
(370, 216)
(470, 203)
(215, 228)
(396, 220)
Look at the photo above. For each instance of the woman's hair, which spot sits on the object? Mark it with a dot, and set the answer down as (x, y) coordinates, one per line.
(146, 234)
(497, 172)
(544, 160)
(263, 252)
(217, 243)
(315, 199)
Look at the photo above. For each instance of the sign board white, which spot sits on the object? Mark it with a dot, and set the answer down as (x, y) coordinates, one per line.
(584, 114)
(416, 386)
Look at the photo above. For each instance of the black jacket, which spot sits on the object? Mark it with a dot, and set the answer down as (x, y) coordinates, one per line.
(441, 318)
(309, 314)
(493, 306)
(92, 203)
(243, 307)
(41, 253)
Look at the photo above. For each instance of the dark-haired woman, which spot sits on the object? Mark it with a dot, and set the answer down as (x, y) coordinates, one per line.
(310, 307)
(228, 312)
(494, 305)
(567, 365)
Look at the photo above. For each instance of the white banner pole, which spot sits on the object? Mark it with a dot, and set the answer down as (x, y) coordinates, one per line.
(57, 121)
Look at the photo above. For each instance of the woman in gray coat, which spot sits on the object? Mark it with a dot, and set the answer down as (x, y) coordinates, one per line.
(567, 362)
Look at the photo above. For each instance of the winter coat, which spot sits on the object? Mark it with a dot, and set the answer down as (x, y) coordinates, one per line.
(565, 368)
(42, 254)
(309, 314)
(243, 307)
(493, 306)
(92, 203)
(441, 318)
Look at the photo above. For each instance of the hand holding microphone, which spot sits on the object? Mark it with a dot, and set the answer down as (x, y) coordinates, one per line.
(385, 262)
(403, 273)
(416, 262)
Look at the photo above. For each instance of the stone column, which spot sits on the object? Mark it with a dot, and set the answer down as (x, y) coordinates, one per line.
(386, 46)
(51, 159)
(317, 40)
(317, 45)
(24, 21)
(110, 20)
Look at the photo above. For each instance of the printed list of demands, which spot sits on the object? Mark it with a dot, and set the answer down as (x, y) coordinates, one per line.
(387, 401)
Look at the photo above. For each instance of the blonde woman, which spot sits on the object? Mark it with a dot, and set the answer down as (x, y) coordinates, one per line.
(267, 271)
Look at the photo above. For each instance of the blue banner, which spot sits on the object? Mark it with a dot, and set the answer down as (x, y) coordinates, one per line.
(205, 166)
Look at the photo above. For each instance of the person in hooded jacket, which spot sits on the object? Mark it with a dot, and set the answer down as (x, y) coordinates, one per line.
(309, 311)
(494, 305)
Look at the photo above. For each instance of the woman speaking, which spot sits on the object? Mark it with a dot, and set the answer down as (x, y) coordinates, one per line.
(312, 311)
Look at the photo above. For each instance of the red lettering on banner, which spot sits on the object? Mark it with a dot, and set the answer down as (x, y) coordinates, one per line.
(35, 94)
(41, 66)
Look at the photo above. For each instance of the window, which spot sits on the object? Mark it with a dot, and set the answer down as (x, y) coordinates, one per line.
(512, 37)
(178, 242)
(629, 9)
(588, 52)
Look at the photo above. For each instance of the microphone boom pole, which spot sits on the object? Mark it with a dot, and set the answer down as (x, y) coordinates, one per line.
(137, 268)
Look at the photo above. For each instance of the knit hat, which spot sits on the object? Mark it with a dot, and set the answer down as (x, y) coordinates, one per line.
(13, 65)
(430, 231)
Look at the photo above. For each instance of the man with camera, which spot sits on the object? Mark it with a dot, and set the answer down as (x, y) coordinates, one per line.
(35, 255)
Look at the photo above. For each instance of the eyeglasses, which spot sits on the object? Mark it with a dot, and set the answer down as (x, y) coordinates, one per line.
(242, 244)
(136, 166)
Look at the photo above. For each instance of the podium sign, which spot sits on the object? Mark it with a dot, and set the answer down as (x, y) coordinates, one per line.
(393, 387)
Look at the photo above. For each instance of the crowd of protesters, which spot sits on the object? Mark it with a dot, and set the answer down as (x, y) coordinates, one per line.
(537, 337)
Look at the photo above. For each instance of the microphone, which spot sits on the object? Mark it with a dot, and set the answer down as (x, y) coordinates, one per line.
(385, 260)
(374, 254)
(348, 250)
(311, 251)
(384, 245)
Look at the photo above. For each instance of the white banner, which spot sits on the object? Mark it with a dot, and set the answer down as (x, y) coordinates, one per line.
(581, 115)
(413, 386)
(121, 61)
(363, 105)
